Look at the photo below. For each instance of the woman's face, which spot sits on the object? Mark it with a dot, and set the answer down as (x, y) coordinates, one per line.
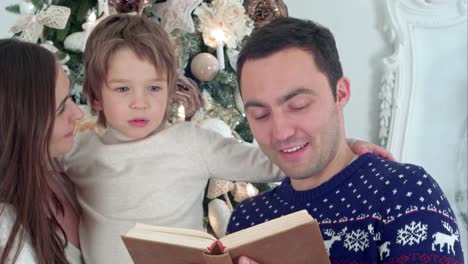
(66, 115)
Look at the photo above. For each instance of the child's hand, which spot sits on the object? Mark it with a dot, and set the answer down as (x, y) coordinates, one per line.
(246, 260)
(361, 147)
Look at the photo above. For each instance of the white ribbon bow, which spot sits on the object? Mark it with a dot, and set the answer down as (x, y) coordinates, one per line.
(31, 26)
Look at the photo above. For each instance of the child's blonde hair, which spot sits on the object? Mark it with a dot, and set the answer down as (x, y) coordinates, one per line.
(143, 37)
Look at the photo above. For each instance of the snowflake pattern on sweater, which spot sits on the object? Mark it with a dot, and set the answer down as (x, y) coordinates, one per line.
(374, 211)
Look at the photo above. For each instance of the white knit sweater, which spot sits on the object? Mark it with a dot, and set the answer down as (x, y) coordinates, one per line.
(158, 180)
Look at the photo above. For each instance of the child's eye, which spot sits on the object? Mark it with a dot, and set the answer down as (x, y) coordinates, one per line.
(121, 89)
(154, 88)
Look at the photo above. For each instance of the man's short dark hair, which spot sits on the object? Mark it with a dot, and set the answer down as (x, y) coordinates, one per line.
(288, 32)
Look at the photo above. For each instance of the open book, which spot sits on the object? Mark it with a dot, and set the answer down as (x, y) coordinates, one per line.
(294, 238)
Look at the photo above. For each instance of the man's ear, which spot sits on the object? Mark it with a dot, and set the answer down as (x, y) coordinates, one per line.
(343, 91)
(97, 105)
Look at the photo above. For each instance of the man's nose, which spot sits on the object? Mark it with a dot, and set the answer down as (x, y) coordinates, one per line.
(282, 129)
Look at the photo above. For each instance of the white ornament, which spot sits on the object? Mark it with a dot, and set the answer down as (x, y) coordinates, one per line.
(204, 66)
(177, 14)
(27, 8)
(217, 125)
(218, 214)
(75, 41)
(226, 15)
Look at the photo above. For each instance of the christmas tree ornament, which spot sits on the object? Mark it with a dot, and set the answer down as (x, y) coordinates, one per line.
(75, 42)
(32, 25)
(176, 14)
(181, 113)
(219, 214)
(188, 95)
(244, 190)
(27, 8)
(204, 67)
(230, 116)
(264, 11)
(225, 15)
(62, 57)
(219, 37)
(88, 26)
(179, 50)
(240, 190)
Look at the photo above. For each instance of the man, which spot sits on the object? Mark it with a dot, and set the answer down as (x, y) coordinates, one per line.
(370, 210)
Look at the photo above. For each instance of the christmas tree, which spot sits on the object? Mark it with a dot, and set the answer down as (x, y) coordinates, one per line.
(207, 34)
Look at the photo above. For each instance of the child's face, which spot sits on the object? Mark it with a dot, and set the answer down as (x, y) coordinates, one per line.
(134, 97)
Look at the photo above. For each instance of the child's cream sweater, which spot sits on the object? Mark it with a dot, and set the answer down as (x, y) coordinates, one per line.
(159, 180)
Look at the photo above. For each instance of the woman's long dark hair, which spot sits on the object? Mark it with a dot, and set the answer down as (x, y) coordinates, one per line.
(27, 115)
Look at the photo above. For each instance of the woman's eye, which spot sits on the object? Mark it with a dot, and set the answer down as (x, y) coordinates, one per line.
(62, 109)
(154, 88)
(121, 89)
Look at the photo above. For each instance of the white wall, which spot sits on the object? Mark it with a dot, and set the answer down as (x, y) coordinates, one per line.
(6, 18)
(357, 26)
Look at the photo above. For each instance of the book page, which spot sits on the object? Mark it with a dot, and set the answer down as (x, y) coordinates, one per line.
(266, 229)
(171, 238)
(175, 230)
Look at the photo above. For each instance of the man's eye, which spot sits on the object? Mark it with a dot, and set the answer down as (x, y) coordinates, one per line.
(121, 89)
(154, 88)
(261, 117)
(299, 106)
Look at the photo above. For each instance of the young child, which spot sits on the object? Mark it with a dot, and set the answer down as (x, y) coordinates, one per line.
(133, 168)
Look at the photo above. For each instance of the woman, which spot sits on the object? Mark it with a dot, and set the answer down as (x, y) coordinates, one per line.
(38, 219)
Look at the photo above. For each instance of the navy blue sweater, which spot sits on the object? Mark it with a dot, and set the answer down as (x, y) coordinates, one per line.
(374, 211)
